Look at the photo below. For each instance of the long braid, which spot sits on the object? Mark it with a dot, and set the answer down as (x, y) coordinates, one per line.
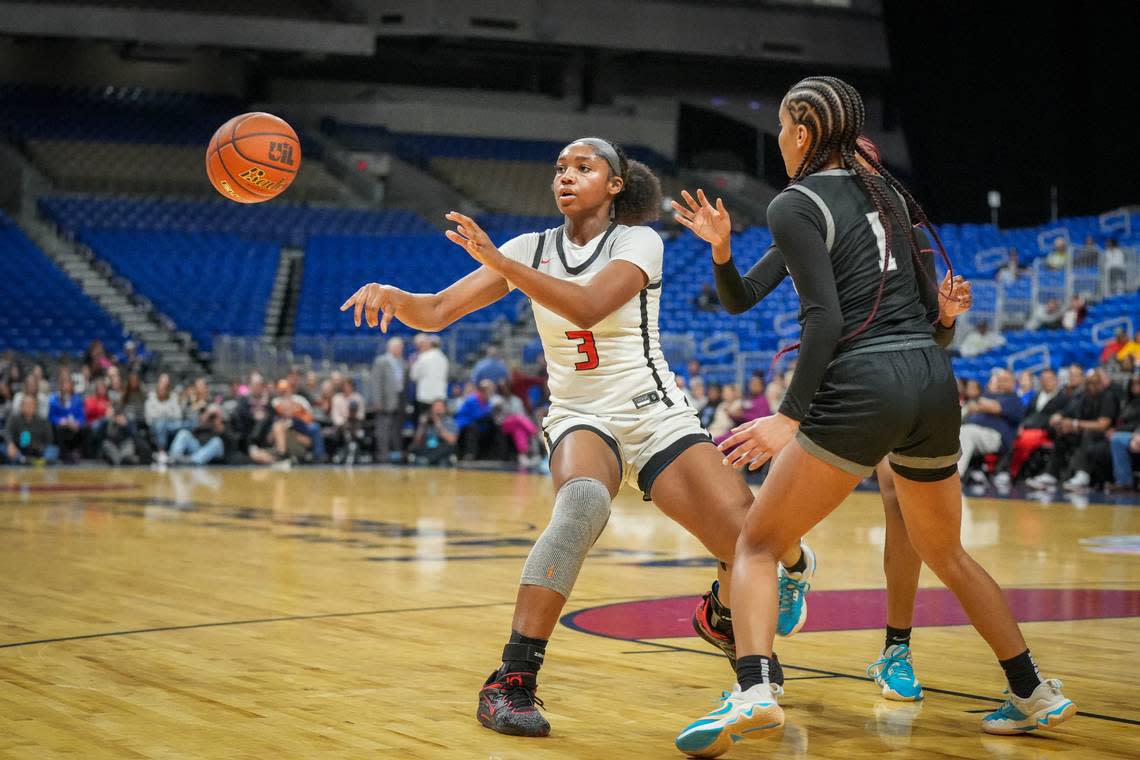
(832, 111)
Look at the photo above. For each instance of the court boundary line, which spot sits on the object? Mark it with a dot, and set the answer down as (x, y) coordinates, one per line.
(822, 672)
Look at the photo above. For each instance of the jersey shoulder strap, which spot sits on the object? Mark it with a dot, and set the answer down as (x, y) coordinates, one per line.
(828, 219)
(534, 262)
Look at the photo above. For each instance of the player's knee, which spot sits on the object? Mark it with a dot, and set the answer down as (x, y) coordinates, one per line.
(752, 545)
(581, 511)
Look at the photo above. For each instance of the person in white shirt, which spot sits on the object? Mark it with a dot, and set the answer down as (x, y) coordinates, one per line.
(980, 341)
(1115, 267)
(429, 372)
(616, 414)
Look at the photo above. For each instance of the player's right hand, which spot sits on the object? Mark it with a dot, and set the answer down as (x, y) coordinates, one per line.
(377, 302)
(708, 222)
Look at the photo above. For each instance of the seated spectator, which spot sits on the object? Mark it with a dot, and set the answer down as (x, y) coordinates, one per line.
(206, 443)
(1131, 349)
(707, 299)
(1058, 257)
(692, 369)
(698, 397)
(510, 416)
(134, 399)
(478, 434)
(33, 387)
(1080, 437)
(729, 406)
(1075, 313)
(1046, 316)
(195, 399)
(750, 408)
(29, 434)
(302, 410)
(5, 400)
(121, 444)
(775, 391)
(132, 361)
(1115, 267)
(347, 417)
(490, 367)
(709, 410)
(163, 415)
(96, 359)
(979, 341)
(68, 422)
(1034, 431)
(98, 403)
(1120, 372)
(1124, 440)
(1112, 348)
(436, 436)
(1009, 273)
(990, 421)
(288, 439)
(253, 416)
(1026, 388)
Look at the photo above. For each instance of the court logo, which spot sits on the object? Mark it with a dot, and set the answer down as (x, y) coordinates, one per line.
(281, 152)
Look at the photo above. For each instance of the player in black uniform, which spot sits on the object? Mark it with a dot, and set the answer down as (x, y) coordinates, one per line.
(894, 670)
(870, 382)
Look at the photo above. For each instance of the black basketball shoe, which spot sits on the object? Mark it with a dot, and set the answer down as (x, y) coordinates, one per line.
(507, 704)
(714, 628)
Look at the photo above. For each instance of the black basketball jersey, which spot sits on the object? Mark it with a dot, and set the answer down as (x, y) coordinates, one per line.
(834, 245)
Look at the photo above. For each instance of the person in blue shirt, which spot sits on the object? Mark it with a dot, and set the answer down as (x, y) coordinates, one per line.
(475, 422)
(65, 413)
(991, 420)
(490, 367)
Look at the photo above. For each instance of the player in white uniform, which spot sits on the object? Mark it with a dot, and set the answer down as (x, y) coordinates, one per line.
(615, 414)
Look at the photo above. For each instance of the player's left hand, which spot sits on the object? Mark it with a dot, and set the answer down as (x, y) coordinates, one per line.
(955, 297)
(470, 237)
(755, 442)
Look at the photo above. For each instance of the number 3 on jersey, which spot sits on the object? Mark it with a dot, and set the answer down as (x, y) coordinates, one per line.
(586, 348)
(881, 239)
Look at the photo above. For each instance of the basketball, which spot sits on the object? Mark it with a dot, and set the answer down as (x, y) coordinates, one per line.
(253, 157)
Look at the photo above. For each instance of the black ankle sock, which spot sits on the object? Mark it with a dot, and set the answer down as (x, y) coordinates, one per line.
(1022, 674)
(523, 654)
(756, 668)
(897, 636)
(720, 617)
(800, 564)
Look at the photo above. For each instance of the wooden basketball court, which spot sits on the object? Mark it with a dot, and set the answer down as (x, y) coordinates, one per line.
(355, 613)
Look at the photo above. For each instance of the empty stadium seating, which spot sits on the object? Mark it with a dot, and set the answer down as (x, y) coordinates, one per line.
(41, 309)
(209, 283)
(283, 223)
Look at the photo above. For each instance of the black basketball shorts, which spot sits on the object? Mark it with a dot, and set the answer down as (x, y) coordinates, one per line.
(901, 403)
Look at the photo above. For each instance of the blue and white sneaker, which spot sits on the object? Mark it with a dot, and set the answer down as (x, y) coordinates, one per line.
(741, 714)
(1045, 708)
(793, 588)
(894, 671)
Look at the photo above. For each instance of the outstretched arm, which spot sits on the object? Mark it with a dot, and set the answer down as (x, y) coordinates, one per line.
(430, 312)
(584, 305)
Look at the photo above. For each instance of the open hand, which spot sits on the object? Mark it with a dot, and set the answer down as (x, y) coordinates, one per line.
(708, 222)
(376, 301)
(755, 442)
(955, 297)
(470, 237)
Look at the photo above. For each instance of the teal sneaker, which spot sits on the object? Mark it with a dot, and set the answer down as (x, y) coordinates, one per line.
(894, 671)
(741, 714)
(1044, 709)
(793, 588)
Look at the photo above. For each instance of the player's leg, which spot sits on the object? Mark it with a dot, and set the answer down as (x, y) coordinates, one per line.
(933, 514)
(586, 474)
(894, 670)
(709, 500)
(800, 490)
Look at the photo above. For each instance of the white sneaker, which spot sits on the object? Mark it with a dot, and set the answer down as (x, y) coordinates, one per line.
(1042, 481)
(1003, 480)
(792, 589)
(740, 715)
(978, 477)
(1079, 481)
(1044, 709)
(162, 458)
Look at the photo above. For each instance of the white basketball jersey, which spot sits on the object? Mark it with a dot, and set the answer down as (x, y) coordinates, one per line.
(617, 367)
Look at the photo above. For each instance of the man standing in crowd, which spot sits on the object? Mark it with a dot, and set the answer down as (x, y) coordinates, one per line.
(429, 372)
(389, 378)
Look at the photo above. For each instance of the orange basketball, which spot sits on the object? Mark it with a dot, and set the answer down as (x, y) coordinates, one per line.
(253, 157)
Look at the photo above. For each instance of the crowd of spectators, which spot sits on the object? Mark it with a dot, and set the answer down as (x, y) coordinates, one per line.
(405, 409)
(1078, 431)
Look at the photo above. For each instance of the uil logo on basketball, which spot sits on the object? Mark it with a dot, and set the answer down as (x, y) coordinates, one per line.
(281, 152)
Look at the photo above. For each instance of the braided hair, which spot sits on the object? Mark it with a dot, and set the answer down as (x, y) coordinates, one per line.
(832, 112)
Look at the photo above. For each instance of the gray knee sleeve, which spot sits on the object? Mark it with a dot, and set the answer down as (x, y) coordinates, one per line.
(581, 510)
